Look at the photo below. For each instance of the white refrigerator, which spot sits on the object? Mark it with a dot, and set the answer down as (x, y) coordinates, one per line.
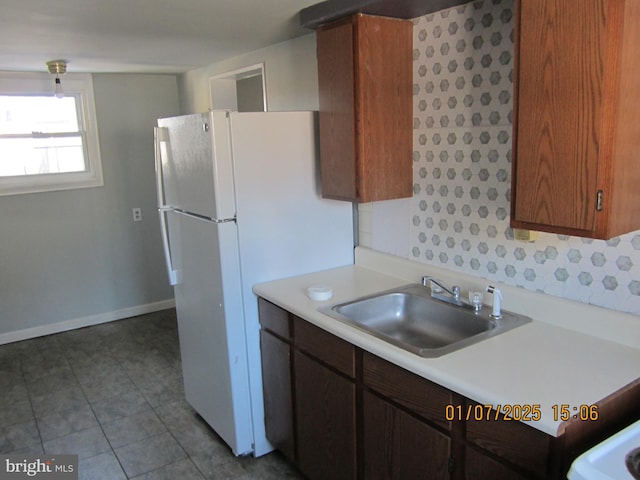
(239, 204)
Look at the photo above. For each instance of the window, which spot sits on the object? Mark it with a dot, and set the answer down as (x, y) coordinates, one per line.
(47, 143)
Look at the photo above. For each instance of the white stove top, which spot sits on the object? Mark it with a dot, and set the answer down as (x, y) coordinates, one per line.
(607, 460)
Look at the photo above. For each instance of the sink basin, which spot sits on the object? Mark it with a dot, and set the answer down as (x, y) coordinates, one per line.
(410, 318)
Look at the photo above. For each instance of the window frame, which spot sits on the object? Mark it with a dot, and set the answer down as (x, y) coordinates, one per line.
(81, 86)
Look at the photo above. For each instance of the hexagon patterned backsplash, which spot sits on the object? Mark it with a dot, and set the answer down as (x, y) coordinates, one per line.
(459, 213)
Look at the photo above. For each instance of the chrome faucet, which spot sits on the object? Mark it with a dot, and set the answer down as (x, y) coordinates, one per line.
(454, 292)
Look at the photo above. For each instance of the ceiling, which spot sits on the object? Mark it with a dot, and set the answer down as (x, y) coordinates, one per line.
(141, 36)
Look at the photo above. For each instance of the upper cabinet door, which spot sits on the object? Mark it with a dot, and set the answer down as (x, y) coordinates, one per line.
(576, 117)
(337, 122)
(365, 93)
(560, 101)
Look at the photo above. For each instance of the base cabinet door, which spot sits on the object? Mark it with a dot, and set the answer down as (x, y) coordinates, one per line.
(396, 445)
(513, 442)
(326, 421)
(278, 402)
(479, 466)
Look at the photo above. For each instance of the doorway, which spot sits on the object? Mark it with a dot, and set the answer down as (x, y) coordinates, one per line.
(241, 90)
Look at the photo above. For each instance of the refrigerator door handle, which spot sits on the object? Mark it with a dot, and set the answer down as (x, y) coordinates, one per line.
(173, 274)
(206, 219)
(224, 220)
(161, 134)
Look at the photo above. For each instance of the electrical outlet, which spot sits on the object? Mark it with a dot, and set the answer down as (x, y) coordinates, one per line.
(137, 214)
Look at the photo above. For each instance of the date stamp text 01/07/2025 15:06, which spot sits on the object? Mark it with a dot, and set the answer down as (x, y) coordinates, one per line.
(526, 412)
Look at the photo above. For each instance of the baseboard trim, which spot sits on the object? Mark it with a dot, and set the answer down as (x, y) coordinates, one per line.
(72, 324)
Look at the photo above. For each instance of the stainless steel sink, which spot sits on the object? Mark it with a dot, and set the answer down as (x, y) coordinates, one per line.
(411, 319)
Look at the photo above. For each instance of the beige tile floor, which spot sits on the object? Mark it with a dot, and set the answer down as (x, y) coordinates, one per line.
(113, 395)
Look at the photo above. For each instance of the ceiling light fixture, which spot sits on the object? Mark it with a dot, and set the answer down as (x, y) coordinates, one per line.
(57, 67)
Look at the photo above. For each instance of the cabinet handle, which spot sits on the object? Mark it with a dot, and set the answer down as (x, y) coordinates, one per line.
(452, 464)
(599, 200)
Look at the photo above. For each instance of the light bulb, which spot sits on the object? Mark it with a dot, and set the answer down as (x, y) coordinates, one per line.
(58, 90)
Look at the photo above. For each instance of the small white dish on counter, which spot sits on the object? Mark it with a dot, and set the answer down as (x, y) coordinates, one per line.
(319, 293)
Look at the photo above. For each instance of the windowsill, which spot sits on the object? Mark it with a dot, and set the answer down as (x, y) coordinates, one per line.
(49, 183)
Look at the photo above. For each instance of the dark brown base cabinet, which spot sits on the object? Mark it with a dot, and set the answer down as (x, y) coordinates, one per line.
(339, 412)
(317, 431)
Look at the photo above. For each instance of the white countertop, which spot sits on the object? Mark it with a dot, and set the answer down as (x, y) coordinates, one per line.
(537, 363)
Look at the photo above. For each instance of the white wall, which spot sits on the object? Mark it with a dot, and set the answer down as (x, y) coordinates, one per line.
(290, 74)
(75, 257)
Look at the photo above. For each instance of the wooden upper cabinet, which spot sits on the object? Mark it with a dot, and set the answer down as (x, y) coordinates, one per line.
(365, 93)
(577, 117)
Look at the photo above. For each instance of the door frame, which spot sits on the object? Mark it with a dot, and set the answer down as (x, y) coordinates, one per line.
(223, 87)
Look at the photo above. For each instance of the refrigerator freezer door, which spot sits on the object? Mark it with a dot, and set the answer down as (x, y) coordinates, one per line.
(196, 169)
(211, 330)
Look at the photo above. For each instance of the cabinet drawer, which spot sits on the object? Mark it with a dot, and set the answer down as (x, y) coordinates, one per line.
(274, 318)
(419, 395)
(513, 441)
(325, 346)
